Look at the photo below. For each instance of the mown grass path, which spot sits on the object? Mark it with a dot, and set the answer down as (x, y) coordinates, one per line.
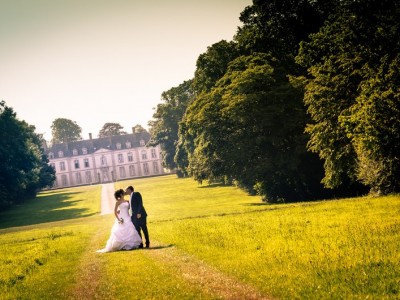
(211, 281)
(197, 272)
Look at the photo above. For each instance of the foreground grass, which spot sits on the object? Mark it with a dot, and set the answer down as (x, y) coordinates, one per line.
(39, 261)
(343, 249)
(340, 249)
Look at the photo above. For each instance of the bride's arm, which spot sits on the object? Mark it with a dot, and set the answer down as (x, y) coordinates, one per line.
(116, 210)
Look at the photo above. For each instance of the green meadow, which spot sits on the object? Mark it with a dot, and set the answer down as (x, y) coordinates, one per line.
(208, 242)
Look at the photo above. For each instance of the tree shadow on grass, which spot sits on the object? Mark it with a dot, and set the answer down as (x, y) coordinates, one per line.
(49, 207)
(214, 185)
(257, 204)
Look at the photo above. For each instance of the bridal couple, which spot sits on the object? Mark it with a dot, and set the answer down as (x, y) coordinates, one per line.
(126, 231)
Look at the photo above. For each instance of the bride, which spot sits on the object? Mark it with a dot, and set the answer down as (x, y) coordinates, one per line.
(123, 234)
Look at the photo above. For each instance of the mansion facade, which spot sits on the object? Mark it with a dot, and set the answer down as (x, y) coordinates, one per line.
(104, 160)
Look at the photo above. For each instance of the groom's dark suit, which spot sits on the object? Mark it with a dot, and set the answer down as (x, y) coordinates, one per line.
(141, 223)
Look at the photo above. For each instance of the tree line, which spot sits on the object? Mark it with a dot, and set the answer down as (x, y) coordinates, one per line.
(24, 168)
(302, 104)
(24, 165)
(65, 130)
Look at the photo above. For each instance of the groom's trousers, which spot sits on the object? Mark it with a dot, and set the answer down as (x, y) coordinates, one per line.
(141, 225)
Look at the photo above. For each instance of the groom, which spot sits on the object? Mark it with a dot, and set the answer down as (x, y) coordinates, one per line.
(139, 214)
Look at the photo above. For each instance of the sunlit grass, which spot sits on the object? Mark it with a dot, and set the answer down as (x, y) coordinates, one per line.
(342, 249)
(41, 263)
(170, 198)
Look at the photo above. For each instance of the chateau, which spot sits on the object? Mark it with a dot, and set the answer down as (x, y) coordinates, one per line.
(104, 160)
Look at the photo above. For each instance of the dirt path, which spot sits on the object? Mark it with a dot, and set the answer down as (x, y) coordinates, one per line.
(198, 272)
(195, 271)
(107, 198)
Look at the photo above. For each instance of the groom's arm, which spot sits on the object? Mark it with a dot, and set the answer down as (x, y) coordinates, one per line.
(140, 203)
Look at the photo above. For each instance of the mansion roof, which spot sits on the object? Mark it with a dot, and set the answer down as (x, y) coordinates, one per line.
(127, 141)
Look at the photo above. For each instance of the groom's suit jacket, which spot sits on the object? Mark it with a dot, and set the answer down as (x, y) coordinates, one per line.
(137, 206)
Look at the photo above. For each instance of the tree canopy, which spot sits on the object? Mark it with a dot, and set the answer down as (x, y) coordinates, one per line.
(65, 130)
(24, 168)
(111, 129)
(353, 94)
(165, 126)
(302, 104)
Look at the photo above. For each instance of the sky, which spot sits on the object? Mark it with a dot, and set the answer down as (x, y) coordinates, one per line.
(101, 61)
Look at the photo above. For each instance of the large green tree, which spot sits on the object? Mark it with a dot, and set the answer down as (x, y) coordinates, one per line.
(24, 167)
(164, 127)
(278, 26)
(249, 128)
(353, 94)
(65, 130)
(212, 65)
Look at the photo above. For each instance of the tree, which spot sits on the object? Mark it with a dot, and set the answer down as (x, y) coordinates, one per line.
(249, 128)
(65, 130)
(165, 126)
(138, 128)
(111, 129)
(352, 94)
(278, 26)
(23, 164)
(212, 65)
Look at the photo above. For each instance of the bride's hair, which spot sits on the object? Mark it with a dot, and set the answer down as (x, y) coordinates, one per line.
(119, 194)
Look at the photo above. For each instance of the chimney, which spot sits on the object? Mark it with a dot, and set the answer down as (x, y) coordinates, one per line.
(133, 130)
(90, 136)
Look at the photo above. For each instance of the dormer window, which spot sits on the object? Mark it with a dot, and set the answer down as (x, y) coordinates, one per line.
(51, 155)
(118, 146)
(142, 143)
(75, 152)
(128, 145)
(84, 150)
(60, 154)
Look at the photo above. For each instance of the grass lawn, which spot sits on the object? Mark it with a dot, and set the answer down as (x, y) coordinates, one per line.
(209, 242)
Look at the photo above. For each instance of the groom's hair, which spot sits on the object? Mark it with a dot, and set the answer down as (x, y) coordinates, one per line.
(130, 188)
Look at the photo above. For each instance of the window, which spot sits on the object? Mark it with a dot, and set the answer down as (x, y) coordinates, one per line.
(128, 145)
(153, 153)
(131, 170)
(155, 166)
(78, 178)
(88, 176)
(84, 150)
(142, 143)
(60, 154)
(53, 165)
(75, 152)
(118, 146)
(64, 180)
(103, 160)
(146, 168)
(122, 172)
(86, 162)
(130, 156)
(51, 155)
(120, 158)
(144, 154)
(62, 166)
(76, 164)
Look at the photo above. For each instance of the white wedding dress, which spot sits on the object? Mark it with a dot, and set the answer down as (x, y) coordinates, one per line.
(123, 236)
